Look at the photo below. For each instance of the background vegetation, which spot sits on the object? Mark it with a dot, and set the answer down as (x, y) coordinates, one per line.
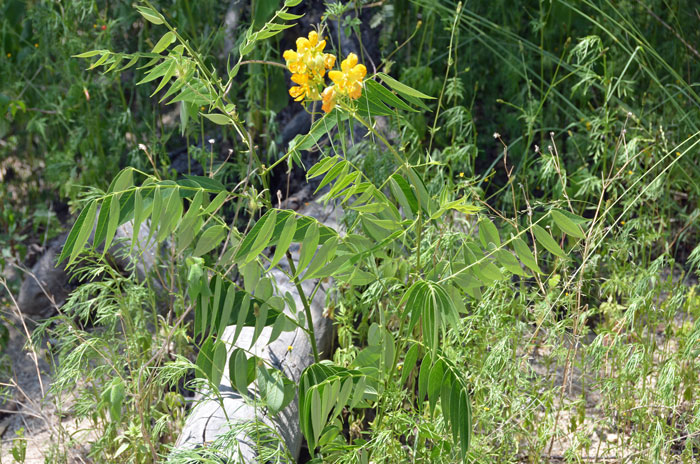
(585, 107)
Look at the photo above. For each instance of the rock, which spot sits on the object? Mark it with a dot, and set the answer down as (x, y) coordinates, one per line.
(47, 286)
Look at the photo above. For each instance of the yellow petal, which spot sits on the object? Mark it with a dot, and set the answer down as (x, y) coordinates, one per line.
(355, 90)
(290, 55)
(328, 95)
(297, 93)
(313, 38)
(329, 60)
(302, 44)
(336, 76)
(296, 67)
(358, 72)
(300, 79)
(349, 62)
(321, 45)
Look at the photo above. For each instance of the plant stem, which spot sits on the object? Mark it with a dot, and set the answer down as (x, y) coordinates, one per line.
(307, 308)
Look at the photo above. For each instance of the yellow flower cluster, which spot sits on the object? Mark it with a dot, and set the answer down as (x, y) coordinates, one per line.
(308, 65)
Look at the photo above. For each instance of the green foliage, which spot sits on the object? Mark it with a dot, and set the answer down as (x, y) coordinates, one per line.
(461, 326)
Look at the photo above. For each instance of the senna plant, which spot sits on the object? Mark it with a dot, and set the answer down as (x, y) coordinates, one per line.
(422, 252)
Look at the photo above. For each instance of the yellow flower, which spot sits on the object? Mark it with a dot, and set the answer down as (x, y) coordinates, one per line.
(328, 60)
(349, 79)
(294, 61)
(309, 56)
(461, 174)
(329, 97)
(306, 88)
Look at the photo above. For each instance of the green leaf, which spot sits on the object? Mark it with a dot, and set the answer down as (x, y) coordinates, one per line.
(207, 183)
(169, 73)
(209, 240)
(488, 233)
(190, 224)
(409, 363)
(547, 241)
(263, 236)
(217, 283)
(70, 241)
(324, 254)
(246, 245)
(404, 195)
(465, 423)
(507, 260)
(218, 363)
(291, 3)
(100, 61)
(84, 232)
(321, 167)
(419, 189)
(90, 54)
(227, 309)
(124, 180)
(285, 240)
(525, 255)
(272, 389)
(243, 311)
(423, 376)
(489, 271)
(218, 118)
(238, 370)
(260, 322)
(102, 220)
(263, 290)
(376, 90)
(154, 73)
(216, 203)
(435, 381)
(316, 414)
(164, 42)
(140, 213)
(246, 47)
(335, 171)
(567, 225)
(112, 223)
(289, 16)
(205, 359)
(157, 211)
(116, 398)
(370, 105)
(343, 182)
(320, 128)
(402, 88)
(308, 247)
(171, 214)
(150, 15)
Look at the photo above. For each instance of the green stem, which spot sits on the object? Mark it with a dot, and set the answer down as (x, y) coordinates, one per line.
(307, 308)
